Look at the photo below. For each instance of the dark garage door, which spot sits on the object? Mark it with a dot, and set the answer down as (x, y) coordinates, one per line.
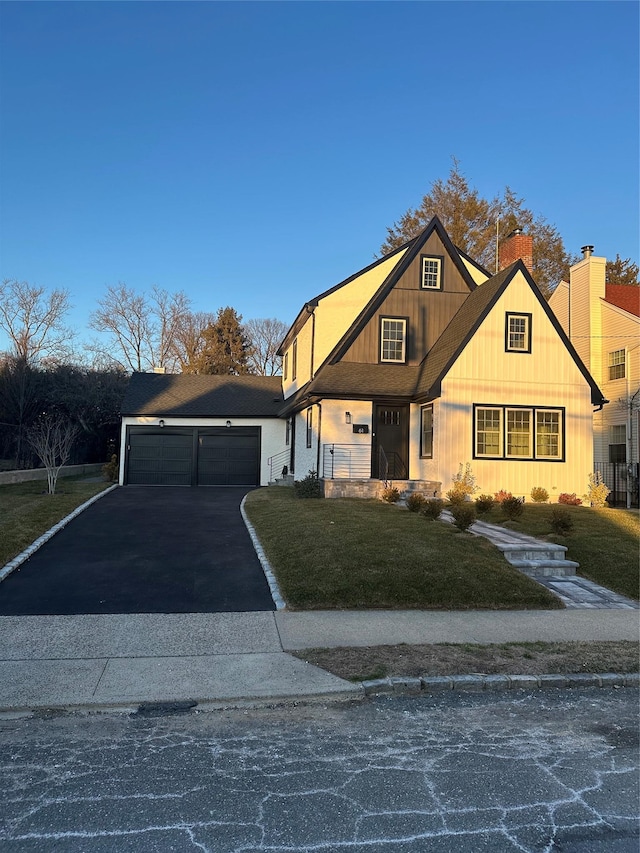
(186, 456)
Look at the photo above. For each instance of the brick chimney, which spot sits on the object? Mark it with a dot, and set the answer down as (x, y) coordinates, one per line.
(517, 246)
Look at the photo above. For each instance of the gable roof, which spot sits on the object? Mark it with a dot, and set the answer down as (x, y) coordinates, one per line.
(185, 395)
(434, 226)
(624, 296)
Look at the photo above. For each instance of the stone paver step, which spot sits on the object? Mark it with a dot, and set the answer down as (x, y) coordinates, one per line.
(546, 568)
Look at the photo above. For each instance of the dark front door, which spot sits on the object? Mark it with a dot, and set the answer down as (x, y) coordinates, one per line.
(390, 443)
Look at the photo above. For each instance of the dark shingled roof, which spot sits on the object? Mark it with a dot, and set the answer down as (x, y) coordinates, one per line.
(184, 395)
(365, 380)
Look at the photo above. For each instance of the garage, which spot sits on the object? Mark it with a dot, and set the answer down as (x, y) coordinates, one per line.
(183, 430)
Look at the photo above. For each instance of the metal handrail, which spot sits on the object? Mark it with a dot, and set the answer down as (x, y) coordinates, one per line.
(277, 463)
(346, 461)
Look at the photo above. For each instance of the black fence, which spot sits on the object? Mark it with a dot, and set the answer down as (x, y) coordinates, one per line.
(620, 477)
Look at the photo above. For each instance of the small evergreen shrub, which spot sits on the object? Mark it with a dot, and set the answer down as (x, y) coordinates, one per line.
(309, 486)
(415, 501)
(569, 499)
(110, 469)
(502, 495)
(561, 521)
(432, 508)
(464, 514)
(390, 494)
(513, 507)
(539, 495)
(484, 504)
(598, 490)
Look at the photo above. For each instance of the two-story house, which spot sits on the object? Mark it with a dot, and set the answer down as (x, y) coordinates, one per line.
(422, 361)
(603, 323)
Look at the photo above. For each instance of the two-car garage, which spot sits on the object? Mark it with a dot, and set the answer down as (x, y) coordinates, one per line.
(184, 430)
(192, 456)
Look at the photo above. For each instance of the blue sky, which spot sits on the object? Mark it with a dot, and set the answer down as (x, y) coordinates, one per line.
(253, 154)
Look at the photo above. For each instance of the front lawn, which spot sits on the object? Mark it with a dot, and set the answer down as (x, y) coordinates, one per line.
(603, 541)
(368, 554)
(27, 511)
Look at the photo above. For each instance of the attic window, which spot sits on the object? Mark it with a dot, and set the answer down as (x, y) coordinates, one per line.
(431, 275)
(393, 339)
(517, 333)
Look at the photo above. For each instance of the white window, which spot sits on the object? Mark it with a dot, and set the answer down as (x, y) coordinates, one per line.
(518, 333)
(617, 364)
(488, 432)
(393, 334)
(548, 434)
(431, 273)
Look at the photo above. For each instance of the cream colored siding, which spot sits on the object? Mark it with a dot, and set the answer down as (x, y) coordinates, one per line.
(272, 434)
(559, 304)
(484, 374)
(337, 312)
(477, 275)
(585, 294)
(424, 469)
(303, 344)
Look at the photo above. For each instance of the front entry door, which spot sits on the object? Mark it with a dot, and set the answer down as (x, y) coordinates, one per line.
(390, 443)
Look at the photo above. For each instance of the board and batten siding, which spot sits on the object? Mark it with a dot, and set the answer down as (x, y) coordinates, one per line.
(547, 377)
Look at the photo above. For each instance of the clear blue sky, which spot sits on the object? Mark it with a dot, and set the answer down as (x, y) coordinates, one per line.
(253, 154)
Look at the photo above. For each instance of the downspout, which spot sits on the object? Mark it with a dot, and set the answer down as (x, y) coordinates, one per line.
(629, 401)
(319, 405)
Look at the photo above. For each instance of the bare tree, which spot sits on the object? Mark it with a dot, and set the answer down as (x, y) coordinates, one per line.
(266, 336)
(141, 331)
(189, 339)
(52, 438)
(34, 322)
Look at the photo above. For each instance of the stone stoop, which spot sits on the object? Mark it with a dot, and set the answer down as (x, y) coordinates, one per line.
(287, 480)
(429, 488)
(539, 559)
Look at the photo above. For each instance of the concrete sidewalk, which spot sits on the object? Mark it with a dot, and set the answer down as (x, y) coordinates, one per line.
(122, 661)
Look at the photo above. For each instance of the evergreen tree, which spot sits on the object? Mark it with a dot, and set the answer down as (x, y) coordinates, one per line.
(622, 272)
(225, 346)
(471, 221)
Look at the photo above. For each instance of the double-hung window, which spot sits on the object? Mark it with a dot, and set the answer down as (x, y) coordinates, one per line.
(617, 364)
(393, 339)
(294, 359)
(431, 272)
(517, 333)
(618, 443)
(309, 427)
(505, 432)
(426, 432)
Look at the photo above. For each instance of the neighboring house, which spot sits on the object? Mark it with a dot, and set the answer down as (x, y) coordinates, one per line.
(185, 430)
(422, 361)
(603, 323)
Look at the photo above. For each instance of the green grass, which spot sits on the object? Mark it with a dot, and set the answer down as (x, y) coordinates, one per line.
(604, 541)
(26, 511)
(368, 554)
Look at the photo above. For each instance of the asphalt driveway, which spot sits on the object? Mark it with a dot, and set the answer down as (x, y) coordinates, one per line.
(145, 549)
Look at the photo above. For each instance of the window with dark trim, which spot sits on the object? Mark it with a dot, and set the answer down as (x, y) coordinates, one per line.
(426, 432)
(287, 434)
(393, 339)
(518, 432)
(617, 364)
(431, 272)
(309, 427)
(517, 333)
(618, 443)
(285, 366)
(294, 359)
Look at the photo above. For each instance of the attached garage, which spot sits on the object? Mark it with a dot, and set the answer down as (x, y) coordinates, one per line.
(180, 430)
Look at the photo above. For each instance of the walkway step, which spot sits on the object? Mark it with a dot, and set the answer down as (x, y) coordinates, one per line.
(546, 568)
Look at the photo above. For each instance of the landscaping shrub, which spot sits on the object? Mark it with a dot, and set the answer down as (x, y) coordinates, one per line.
(513, 507)
(502, 495)
(464, 514)
(539, 495)
(569, 500)
(415, 501)
(598, 490)
(561, 521)
(390, 494)
(463, 484)
(110, 469)
(484, 504)
(432, 508)
(309, 486)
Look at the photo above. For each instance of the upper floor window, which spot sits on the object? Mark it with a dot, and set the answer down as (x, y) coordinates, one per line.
(431, 273)
(517, 333)
(393, 339)
(294, 359)
(617, 364)
(285, 366)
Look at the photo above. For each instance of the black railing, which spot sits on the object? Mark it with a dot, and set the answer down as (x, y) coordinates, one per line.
(346, 461)
(623, 479)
